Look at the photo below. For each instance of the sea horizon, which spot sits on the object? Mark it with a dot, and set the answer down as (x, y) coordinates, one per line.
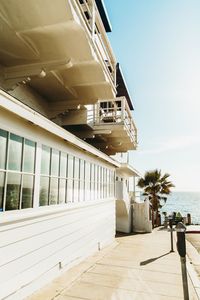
(184, 202)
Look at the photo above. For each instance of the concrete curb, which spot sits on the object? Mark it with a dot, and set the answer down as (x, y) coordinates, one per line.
(193, 258)
(194, 279)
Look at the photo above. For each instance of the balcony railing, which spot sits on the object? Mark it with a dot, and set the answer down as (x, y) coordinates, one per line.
(114, 112)
(90, 14)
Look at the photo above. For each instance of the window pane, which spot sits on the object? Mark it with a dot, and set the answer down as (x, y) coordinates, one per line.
(44, 190)
(87, 190)
(27, 191)
(13, 191)
(82, 169)
(87, 171)
(3, 144)
(2, 180)
(92, 191)
(63, 165)
(62, 190)
(76, 191)
(29, 156)
(45, 161)
(70, 166)
(55, 162)
(53, 195)
(92, 172)
(81, 191)
(76, 168)
(69, 190)
(15, 152)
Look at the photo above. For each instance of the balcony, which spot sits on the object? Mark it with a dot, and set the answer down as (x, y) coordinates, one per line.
(108, 126)
(61, 50)
(116, 117)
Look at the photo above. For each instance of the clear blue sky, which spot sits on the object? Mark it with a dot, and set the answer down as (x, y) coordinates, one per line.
(157, 43)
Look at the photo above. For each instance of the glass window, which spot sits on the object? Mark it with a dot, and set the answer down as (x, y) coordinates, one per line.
(2, 180)
(44, 190)
(15, 152)
(82, 169)
(27, 191)
(101, 182)
(76, 168)
(81, 190)
(53, 195)
(87, 171)
(76, 191)
(69, 190)
(13, 191)
(92, 172)
(55, 162)
(62, 190)
(29, 156)
(70, 166)
(45, 160)
(3, 145)
(63, 165)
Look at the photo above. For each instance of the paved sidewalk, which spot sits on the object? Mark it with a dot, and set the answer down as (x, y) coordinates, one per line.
(135, 267)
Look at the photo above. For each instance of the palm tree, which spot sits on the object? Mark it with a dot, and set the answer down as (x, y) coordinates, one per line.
(156, 187)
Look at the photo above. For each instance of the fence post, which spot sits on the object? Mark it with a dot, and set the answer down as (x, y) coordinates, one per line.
(181, 247)
(171, 233)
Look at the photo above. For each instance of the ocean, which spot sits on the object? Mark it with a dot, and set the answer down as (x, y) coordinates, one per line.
(184, 202)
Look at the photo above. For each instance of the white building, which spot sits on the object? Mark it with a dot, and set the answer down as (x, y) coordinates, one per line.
(61, 117)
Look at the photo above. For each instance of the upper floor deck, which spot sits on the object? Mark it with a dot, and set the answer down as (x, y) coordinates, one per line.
(60, 49)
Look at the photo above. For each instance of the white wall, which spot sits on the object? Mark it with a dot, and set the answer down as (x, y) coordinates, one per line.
(123, 208)
(35, 242)
(141, 222)
(32, 247)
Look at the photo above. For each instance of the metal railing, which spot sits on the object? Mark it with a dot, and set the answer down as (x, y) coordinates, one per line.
(91, 16)
(115, 112)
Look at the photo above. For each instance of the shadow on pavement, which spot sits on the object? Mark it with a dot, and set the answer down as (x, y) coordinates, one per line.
(150, 260)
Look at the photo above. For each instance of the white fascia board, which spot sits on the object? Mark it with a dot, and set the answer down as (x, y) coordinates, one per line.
(15, 106)
(128, 170)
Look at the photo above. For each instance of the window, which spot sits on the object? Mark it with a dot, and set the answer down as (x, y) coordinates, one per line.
(70, 175)
(29, 156)
(3, 147)
(15, 152)
(13, 191)
(49, 181)
(76, 179)
(63, 177)
(87, 180)
(17, 171)
(82, 181)
(45, 161)
(27, 191)
(2, 182)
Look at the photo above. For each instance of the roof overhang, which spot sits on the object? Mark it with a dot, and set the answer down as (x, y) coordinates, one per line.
(13, 105)
(104, 15)
(122, 89)
(127, 171)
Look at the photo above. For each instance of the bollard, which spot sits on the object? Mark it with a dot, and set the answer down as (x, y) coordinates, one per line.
(181, 247)
(171, 233)
(189, 219)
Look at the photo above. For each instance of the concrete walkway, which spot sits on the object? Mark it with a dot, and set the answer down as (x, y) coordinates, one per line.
(135, 267)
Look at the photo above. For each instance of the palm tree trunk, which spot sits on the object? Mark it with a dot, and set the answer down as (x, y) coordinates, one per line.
(157, 217)
(152, 217)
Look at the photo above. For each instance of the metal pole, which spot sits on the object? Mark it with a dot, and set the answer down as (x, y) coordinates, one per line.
(184, 278)
(181, 247)
(172, 246)
(171, 234)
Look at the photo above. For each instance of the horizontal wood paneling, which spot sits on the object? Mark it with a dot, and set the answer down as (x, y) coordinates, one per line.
(30, 251)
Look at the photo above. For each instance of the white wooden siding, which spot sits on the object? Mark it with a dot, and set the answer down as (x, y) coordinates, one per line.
(31, 251)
